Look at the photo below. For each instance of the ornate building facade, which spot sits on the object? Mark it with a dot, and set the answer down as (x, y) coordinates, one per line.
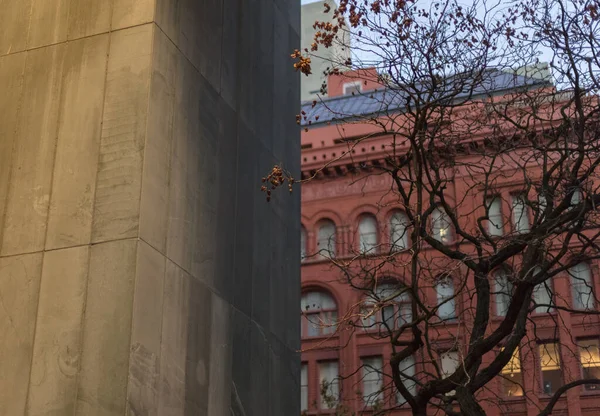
(348, 208)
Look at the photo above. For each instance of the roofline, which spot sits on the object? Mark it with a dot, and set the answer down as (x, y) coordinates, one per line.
(540, 83)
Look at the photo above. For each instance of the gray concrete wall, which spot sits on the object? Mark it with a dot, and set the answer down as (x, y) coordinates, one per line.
(141, 271)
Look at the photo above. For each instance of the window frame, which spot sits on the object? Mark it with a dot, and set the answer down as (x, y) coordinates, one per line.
(503, 380)
(322, 315)
(576, 197)
(489, 203)
(589, 284)
(304, 378)
(373, 245)
(331, 244)
(548, 283)
(443, 218)
(587, 388)
(335, 381)
(525, 214)
(556, 343)
(303, 244)
(355, 85)
(369, 401)
(505, 272)
(405, 239)
(451, 300)
(410, 385)
(400, 303)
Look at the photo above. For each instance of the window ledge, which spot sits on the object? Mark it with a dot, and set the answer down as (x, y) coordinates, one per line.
(513, 399)
(319, 337)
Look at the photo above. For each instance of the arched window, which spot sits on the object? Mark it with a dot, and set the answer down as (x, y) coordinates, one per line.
(581, 284)
(399, 231)
(445, 298)
(319, 314)
(326, 239)
(503, 289)
(388, 306)
(302, 243)
(440, 225)
(367, 232)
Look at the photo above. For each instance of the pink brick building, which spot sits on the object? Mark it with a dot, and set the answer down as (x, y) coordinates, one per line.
(337, 204)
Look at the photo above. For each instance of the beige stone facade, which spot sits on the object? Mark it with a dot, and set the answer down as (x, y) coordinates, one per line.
(131, 150)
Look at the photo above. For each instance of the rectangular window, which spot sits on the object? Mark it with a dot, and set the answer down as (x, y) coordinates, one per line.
(399, 231)
(520, 214)
(389, 318)
(440, 225)
(589, 357)
(367, 233)
(304, 387)
(550, 366)
(446, 300)
(329, 384)
(369, 318)
(503, 289)
(494, 206)
(542, 204)
(511, 376)
(542, 295)
(407, 374)
(302, 244)
(449, 362)
(372, 380)
(352, 87)
(326, 239)
(581, 286)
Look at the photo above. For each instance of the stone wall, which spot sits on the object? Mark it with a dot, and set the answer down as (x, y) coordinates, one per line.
(141, 271)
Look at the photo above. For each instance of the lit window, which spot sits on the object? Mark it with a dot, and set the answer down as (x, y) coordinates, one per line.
(407, 375)
(440, 225)
(589, 356)
(445, 298)
(372, 380)
(512, 378)
(319, 314)
(394, 307)
(550, 366)
(329, 384)
(581, 285)
(302, 244)
(326, 239)
(520, 214)
(399, 231)
(367, 231)
(494, 206)
(304, 387)
(503, 289)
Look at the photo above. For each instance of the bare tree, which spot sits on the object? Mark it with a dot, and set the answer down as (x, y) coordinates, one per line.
(470, 131)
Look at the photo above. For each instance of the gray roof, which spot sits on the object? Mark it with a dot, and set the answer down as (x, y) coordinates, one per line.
(388, 101)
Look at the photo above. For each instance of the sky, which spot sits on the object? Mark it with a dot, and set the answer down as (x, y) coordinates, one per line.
(544, 57)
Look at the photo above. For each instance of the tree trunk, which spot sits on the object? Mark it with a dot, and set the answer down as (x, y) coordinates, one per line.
(468, 403)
